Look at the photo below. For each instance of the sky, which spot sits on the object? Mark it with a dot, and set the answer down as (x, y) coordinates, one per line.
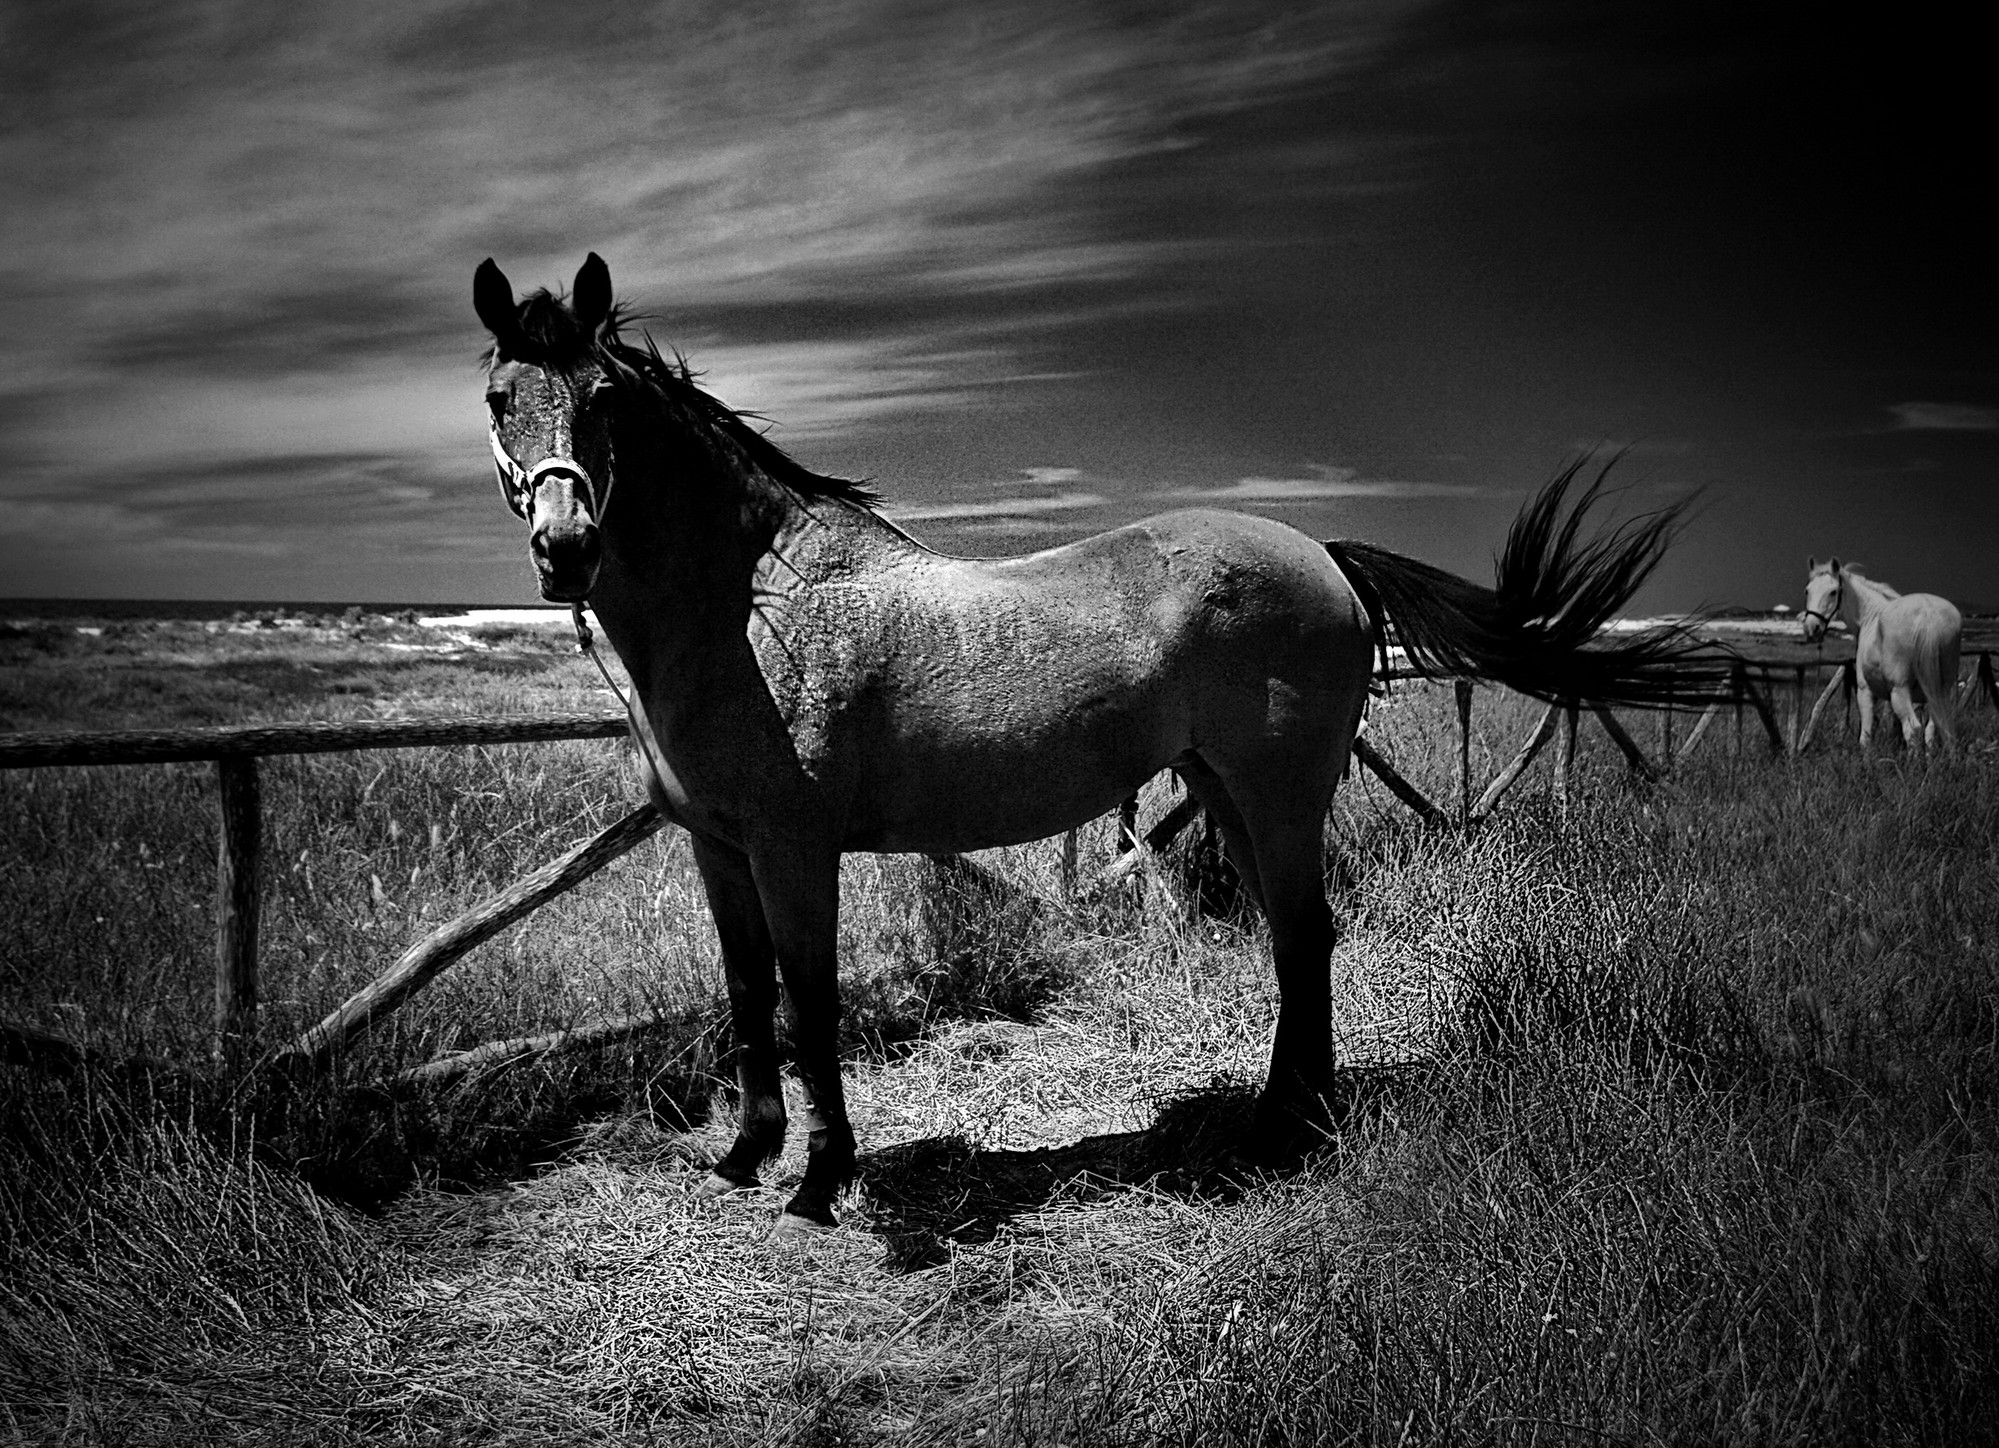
(1034, 267)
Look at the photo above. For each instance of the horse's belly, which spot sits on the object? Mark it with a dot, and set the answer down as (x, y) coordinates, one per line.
(982, 790)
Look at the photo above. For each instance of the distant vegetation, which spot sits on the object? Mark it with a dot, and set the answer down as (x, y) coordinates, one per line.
(1675, 1122)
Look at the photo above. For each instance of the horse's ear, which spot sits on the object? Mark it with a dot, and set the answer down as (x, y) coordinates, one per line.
(1812, 563)
(1833, 564)
(493, 300)
(591, 300)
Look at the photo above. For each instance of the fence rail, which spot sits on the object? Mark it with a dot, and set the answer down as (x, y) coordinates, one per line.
(253, 741)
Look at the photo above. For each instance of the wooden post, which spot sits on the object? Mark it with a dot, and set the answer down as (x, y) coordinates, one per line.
(1565, 757)
(1633, 755)
(1797, 707)
(1401, 788)
(1702, 725)
(236, 901)
(1156, 839)
(1544, 730)
(1761, 702)
(425, 960)
(1069, 861)
(1666, 738)
(1833, 685)
(1737, 680)
(449, 1068)
(1462, 687)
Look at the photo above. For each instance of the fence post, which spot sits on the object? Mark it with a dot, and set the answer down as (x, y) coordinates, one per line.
(1836, 683)
(1543, 730)
(1738, 681)
(422, 962)
(236, 901)
(1565, 756)
(1765, 714)
(1463, 690)
(1666, 738)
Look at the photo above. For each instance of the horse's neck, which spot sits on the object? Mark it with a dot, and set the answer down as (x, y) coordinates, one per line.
(678, 586)
(1865, 597)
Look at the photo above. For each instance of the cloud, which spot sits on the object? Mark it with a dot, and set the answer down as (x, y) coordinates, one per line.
(1327, 481)
(1944, 417)
(1018, 506)
(816, 389)
(994, 507)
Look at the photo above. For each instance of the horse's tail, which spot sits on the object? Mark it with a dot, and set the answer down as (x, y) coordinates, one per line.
(1537, 629)
(1936, 665)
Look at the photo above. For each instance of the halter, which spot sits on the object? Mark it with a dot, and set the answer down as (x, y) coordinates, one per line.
(517, 484)
(1838, 597)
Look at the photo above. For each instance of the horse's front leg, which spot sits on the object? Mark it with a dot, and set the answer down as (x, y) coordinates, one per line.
(800, 889)
(750, 964)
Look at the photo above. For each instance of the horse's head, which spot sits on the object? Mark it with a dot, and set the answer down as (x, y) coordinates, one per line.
(1825, 591)
(549, 394)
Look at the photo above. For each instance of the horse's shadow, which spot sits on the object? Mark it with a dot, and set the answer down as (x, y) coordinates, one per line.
(926, 1196)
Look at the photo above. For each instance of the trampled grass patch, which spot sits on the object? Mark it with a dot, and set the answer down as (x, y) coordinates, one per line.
(1672, 1120)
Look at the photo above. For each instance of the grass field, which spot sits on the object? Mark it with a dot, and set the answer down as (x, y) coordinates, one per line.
(1674, 1121)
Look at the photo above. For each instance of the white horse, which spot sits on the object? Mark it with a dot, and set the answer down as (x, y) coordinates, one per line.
(1907, 647)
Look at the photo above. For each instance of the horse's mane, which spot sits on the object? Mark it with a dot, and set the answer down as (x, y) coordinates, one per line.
(550, 336)
(1859, 570)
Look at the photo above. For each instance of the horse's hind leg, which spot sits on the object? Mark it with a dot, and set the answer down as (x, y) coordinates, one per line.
(1206, 787)
(1904, 704)
(1302, 936)
(1277, 848)
(750, 964)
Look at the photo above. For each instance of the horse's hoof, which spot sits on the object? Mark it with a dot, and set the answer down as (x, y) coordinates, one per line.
(716, 1185)
(793, 1228)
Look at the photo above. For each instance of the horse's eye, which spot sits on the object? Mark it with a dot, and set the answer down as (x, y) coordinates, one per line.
(496, 403)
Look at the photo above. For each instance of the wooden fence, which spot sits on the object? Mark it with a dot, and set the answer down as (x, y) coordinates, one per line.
(1761, 666)
(235, 750)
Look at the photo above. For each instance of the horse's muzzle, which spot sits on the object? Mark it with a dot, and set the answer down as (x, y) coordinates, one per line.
(564, 541)
(565, 561)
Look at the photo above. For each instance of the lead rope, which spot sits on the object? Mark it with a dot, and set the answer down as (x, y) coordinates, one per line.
(586, 646)
(641, 736)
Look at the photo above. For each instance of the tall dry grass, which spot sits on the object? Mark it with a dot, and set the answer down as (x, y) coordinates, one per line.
(1672, 1120)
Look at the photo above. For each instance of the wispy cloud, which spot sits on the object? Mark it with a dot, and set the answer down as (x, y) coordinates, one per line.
(1025, 505)
(1944, 417)
(815, 389)
(1326, 481)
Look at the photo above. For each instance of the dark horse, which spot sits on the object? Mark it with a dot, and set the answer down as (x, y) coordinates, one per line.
(809, 679)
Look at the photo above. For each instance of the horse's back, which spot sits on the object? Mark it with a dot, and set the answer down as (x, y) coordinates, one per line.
(1217, 592)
